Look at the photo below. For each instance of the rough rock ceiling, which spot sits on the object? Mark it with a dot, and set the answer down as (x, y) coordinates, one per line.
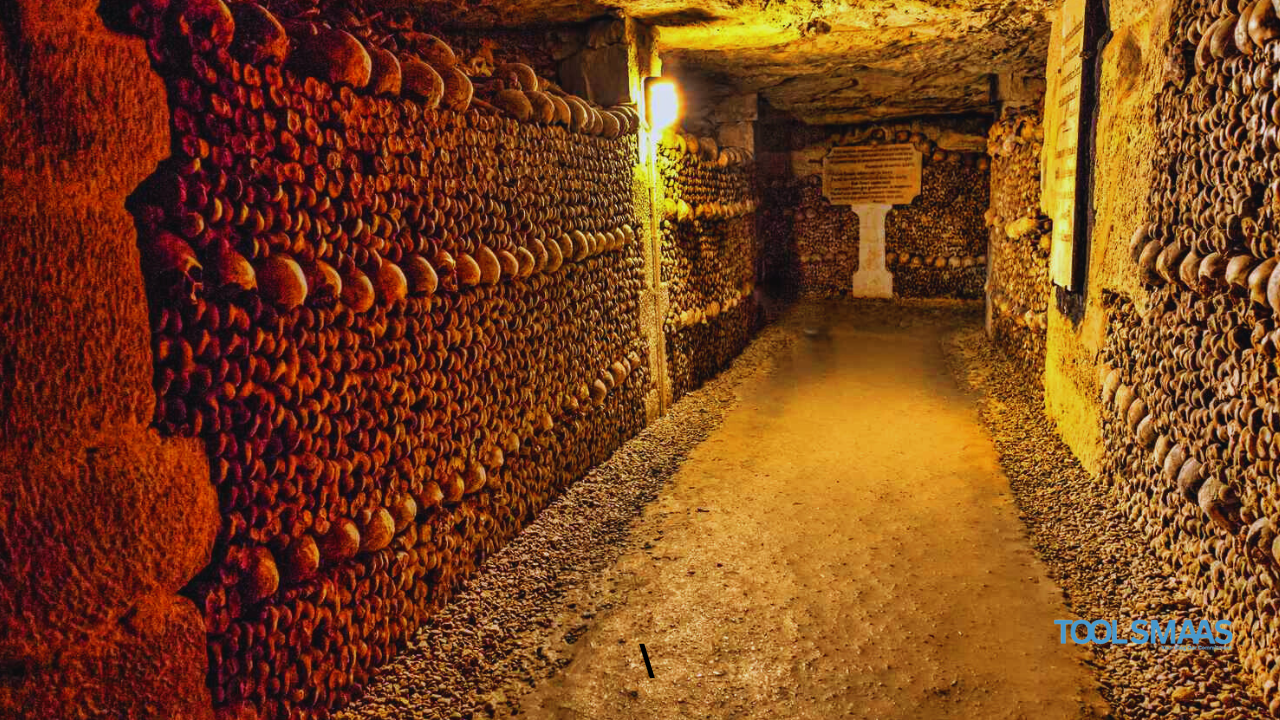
(825, 62)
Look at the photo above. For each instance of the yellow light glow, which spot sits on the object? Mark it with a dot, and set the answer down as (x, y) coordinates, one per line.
(663, 104)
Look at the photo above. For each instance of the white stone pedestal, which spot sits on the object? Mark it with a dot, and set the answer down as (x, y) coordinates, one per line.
(871, 279)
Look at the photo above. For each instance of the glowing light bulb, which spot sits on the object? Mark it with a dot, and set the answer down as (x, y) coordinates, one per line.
(664, 104)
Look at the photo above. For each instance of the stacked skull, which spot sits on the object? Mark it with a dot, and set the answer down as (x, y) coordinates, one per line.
(936, 246)
(1189, 386)
(709, 254)
(1018, 277)
(400, 306)
(825, 242)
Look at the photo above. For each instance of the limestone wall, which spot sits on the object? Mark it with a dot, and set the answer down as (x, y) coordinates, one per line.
(103, 519)
(1133, 67)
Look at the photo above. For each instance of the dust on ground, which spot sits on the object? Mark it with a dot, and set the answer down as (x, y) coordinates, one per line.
(824, 530)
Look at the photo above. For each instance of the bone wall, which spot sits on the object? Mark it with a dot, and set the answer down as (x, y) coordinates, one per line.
(823, 242)
(1018, 284)
(398, 303)
(709, 256)
(1184, 296)
(935, 247)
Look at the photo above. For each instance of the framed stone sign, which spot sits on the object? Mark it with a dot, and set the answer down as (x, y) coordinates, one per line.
(1063, 109)
(872, 174)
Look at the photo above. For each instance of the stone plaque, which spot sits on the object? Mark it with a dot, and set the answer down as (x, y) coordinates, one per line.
(872, 175)
(1061, 165)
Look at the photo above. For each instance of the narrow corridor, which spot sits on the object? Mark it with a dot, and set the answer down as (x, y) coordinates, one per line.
(373, 360)
(809, 561)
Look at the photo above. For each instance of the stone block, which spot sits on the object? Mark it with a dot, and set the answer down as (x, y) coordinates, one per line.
(600, 74)
(737, 134)
(952, 140)
(149, 666)
(736, 108)
(89, 528)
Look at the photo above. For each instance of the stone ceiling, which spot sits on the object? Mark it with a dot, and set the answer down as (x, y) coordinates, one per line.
(825, 62)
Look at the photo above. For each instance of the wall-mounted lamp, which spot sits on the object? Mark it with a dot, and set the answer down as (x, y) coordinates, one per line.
(662, 101)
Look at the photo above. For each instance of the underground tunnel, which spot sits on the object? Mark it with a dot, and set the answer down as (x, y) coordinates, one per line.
(445, 359)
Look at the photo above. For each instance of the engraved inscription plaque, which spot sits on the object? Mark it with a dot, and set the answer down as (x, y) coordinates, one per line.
(872, 175)
(1061, 180)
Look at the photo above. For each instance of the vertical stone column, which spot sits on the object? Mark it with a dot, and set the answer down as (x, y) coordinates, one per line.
(102, 520)
(872, 279)
(654, 298)
(643, 62)
(609, 70)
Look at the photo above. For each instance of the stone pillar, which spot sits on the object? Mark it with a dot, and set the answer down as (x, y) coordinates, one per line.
(871, 279)
(102, 520)
(604, 70)
(735, 121)
(643, 62)
(1016, 90)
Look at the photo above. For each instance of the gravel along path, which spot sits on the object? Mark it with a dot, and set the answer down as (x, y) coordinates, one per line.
(515, 621)
(1102, 563)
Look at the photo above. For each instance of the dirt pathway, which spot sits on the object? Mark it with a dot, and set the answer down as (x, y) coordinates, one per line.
(843, 545)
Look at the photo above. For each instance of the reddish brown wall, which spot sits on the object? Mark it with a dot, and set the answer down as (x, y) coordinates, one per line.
(185, 446)
(125, 406)
(375, 435)
(102, 520)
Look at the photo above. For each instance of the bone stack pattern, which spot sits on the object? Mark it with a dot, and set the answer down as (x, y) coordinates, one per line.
(397, 302)
(1018, 277)
(709, 256)
(1189, 385)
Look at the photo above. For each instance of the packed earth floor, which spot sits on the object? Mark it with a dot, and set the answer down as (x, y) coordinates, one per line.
(866, 516)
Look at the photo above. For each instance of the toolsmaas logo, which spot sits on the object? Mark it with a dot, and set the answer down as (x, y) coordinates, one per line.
(1187, 635)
